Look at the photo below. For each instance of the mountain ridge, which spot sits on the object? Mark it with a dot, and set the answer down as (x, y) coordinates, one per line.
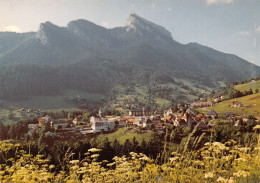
(139, 53)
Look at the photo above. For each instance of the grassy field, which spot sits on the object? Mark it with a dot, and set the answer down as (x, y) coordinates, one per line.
(245, 87)
(124, 133)
(251, 102)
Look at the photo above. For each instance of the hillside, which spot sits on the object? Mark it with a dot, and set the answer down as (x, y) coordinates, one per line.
(251, 106)
(246, 86)
(89, 58)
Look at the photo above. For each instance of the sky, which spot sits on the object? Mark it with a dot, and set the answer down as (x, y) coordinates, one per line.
(230, 26)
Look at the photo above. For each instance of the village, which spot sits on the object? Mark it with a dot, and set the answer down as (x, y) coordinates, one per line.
(142, 119)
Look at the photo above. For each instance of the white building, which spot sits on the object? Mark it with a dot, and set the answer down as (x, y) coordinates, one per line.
(101, 124)
(139, 120)
(168, 112)
(147, 123)
(86, 131)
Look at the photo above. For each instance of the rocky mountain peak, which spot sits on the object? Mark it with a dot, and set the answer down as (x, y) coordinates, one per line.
(42, 33)
(141, 26)
(83, 27)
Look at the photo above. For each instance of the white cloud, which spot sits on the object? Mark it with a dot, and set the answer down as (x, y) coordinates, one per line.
(244, 33)
(258, 29)
(169, 9)
(211, 2)
(105, 24)
(11, 28)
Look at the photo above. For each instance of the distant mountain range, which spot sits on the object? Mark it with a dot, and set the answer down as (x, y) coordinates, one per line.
(88, 57)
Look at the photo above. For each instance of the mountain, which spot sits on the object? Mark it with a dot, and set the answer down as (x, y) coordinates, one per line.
(87, 57)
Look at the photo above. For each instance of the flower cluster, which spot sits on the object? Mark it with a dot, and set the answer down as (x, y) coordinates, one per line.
(215, 162)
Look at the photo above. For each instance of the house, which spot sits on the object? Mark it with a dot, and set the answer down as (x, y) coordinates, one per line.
(236, 122)
(168, 112)
(148, 123)
(180, 123)
(101, 124)
(59, 124)
(236, 103)
(191, 112)
(212, 114)
(199, 104)
(32, 128)
(86, 130)
(128, 120)
(245, 118)
(188, 119)
(230, 116)
(216, 100)
(56, 125)
(43, 120)
(75, 121)
(166, 119)
(200, 118)
(139, 121)
(139, 113)
(122, 123)
(155, 117)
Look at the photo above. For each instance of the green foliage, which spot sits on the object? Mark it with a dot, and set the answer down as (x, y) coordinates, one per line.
(223, 132)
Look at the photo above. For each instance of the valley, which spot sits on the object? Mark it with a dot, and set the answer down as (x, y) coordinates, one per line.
(81, 102)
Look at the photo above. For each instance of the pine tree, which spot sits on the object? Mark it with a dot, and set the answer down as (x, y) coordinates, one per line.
(143, 147)
(135, 144)
(107, 152)
(127, 147)
(117, 147)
